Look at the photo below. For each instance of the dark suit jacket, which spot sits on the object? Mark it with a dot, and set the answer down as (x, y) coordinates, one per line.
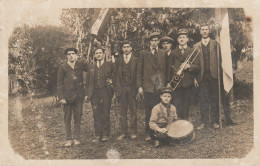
(213, 59)
(91, 82)
(168, 65)
(119, 74)
(176, 60)
(70, 81)
(150, 76)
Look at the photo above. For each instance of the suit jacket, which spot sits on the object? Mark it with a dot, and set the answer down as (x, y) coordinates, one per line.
(169, 59)
(151, 76)
(213, 59)
(70, 81)
(119, 74)
(176, 60)
(91, 80)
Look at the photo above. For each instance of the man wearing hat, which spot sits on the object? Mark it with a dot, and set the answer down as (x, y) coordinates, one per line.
(126, 90)
(183, 91)
(163, 114)
(151, 76)
(166, 43)
(208, 81)
(70, 91)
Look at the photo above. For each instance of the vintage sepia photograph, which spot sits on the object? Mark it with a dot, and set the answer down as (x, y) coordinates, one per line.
(131, 83)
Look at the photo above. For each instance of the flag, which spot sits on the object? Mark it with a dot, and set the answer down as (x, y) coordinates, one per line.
(100, 21)
(225, 49)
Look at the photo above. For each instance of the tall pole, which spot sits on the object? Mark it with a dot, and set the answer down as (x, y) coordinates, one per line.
(220, 108)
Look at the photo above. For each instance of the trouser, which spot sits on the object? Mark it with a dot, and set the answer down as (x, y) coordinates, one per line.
(181, 100)
(150, 100)
(101, 103)
(209, 99)
(76, 108)
(155, 135)
(127, 98)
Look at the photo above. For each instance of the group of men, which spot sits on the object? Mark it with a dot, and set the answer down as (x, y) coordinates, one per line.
(143, 76)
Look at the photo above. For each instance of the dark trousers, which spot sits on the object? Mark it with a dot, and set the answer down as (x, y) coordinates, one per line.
(155, 135)
(181, 100)
(101, 103)
(126, 99)
(76, 109)
(150, 100)
(209, 99)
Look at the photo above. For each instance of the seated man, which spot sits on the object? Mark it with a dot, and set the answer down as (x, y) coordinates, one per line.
(163, 114)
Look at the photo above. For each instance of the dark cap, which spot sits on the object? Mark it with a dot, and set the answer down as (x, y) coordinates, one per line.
(166, 90)
(166, 39)
(153, 35)
(182, 32)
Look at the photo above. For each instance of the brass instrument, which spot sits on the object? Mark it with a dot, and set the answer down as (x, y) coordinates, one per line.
(178, 75)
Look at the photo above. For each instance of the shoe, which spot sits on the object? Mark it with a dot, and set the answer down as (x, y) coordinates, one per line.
(156, 144)
(121, 137)
(76, 142)
(216, 126)
(96, 140)
(230, 123)
(133, 136)
(68, 143)
(147, 138)
(105, 138)
(201, 126)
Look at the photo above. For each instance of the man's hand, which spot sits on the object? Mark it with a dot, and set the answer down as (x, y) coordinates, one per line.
(162, 130)
(63, 101)
(140, 94)
(169, 85)
(196, 84)
(86, 98)
(187, 66)
(109, 81)
(217, 39)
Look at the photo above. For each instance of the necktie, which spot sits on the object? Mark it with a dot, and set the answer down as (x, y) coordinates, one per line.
(155, 53)
(126, 58)
(182, 50)
(98, 64)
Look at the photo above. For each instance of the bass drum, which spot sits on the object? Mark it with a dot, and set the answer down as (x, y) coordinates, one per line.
(181, 132)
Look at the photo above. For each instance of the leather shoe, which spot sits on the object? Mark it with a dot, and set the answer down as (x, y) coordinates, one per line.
(230, 123)
(68, 143)
(105, 138)
(147, 138)
(76, 142)
(133, 136)
(96, 140)
(121, 137)
(216, 126)
(156, 144)
(201, 126)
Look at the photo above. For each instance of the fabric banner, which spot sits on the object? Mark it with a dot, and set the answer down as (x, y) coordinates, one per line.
(225, 48)
(100, 21)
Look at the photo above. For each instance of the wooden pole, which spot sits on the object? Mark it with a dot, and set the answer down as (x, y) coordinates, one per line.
(219, 84)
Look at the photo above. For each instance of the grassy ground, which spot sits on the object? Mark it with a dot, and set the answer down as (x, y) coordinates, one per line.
(38, 133)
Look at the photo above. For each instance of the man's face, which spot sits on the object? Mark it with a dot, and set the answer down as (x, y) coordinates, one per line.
(99, 54)
(167, 46)
(72, 56)
(183, 40)
(166, 98)
(127, 49)
(204, 31)
(154, 42)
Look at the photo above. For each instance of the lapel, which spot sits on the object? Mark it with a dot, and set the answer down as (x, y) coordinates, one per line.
(211, 47)
(150, 58)
(133, 64)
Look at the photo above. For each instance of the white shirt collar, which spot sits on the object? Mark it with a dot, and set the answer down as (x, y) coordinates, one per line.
(205, 41)
(152, 49)
(101, 63)
(185, 46)
(169, 52)
(128, 57)
(71, 64)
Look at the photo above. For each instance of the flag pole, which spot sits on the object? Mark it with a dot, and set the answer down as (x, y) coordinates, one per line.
(219, 83)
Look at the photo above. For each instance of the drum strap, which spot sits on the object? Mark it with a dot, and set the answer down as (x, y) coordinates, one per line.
(162, 111)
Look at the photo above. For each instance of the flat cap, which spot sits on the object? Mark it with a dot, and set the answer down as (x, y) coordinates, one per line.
(152, 35)
(166, 39)
(182, 32)
(166, 90)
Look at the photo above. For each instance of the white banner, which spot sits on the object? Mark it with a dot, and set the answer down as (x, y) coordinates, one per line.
(96, 26)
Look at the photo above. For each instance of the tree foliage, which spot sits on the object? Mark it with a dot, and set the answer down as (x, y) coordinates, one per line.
(136, 23)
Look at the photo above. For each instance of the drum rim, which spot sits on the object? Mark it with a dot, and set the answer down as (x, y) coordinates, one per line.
(185, 135)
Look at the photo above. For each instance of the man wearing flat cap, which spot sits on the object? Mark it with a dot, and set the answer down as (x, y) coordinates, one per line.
(166, 43)
(151, 76)
(181, 96)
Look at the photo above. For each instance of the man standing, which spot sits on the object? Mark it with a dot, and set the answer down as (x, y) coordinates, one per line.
(71, 93)
(151, 76)
(166, 43)
(208, 80)
(99, 91)
(126, 90)
(183, 91)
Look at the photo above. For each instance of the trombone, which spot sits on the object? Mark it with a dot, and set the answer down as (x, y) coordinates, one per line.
(178, 75)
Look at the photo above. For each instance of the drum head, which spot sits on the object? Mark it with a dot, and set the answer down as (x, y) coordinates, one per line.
(180, 128)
